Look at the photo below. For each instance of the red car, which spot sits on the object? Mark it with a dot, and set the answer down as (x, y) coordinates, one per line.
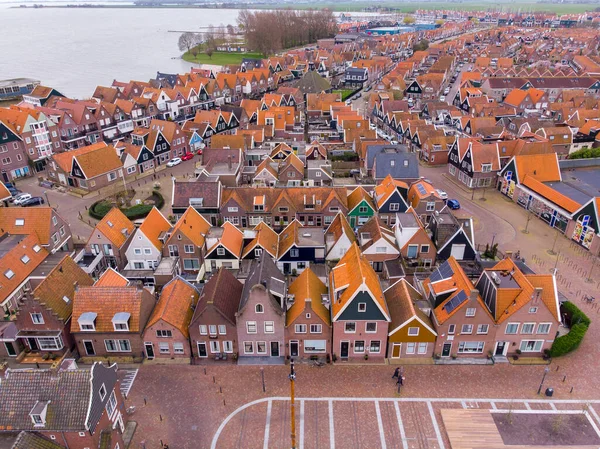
(187, 156)
(199, 152)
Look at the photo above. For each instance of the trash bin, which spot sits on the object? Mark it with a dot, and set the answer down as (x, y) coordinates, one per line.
(549, 392)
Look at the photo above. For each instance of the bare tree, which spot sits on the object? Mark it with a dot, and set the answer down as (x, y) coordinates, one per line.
(209, 37)
(186, 41)
(230, 30)
(194, 52)
(220, 34)
(209, 52)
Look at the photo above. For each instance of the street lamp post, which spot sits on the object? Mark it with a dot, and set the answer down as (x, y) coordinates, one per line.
(46, 195)
(546, 370)
(292, 403)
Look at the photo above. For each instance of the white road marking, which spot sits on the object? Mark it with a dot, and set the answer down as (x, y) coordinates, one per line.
(331, 432)
(267, 425)
(408, 400)
(552, 406)
(402, 433)
(438, 434)
(301, 424)
(592, 421)
(464, 404)
(527, 406)
(128, 381)
(380, 425)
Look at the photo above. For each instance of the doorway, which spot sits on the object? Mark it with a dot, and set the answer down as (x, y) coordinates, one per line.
(446, 349)
(10, 348)
(89, 347)
(286, 268)
(345, 345)
(293, 349)
(33, 344)
(149, 350)
(458, 251)
(500, 348)
(396, 350)
(274, 349)
(202, 350)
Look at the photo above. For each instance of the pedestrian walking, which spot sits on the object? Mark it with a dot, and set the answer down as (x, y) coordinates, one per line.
(401, 380)
(396, 373)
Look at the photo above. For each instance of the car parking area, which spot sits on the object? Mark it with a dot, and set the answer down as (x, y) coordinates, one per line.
(326, 423)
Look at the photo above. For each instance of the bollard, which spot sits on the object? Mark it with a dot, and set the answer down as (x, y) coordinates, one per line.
(564, 378)
(145, 401)
(221, 388)
(558, 366)
(160, 416)
(214, 380)
(571, 390)
(205, 371)
(223, 401)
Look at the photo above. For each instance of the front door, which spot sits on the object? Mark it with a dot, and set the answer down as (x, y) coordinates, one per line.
(446, 349)
(293, 349)
(344, 349)
(149, 350)
(33, 344)
(500, 347)
(274, 349)
(286, 268)
(10, 348)
(202, 350)
(396, 350)
(89, 347)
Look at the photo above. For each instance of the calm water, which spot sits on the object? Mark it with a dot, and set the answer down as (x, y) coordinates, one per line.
(74, 50)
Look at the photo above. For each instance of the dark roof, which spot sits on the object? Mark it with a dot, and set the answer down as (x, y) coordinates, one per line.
(373, 150)
(34, 440)
(312, 83)
(68, 394)
(264, 271)
(183, 191)
(224, 291)
(399, 170)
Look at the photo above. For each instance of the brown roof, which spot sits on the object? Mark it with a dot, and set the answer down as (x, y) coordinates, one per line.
(266, 238)
(154, 224)
(307, 287)
(61, 283)
(94, 160)
(175, 305)
(401, 298)
(357, 196)
(543, 167)
(105, 302)
(340, 226)
(232, 239)
(116, 227)
(224, 292)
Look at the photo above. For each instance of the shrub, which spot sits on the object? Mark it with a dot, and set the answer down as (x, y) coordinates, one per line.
(158, 199)
(579, 325)
(99, 209)
(585, 153)
(138, 211)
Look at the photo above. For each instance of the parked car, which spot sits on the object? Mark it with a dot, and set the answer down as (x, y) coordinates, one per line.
(14, 192)
(442, 98)
(20, 199)
(443, 195)
(33, 201)
(187, 156)
(348, 102)
(453, 204)
(446, 90)
(173, 162)
(199, 152)
(372, 126)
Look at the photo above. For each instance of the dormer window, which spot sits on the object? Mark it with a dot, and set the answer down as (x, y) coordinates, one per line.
(121, 321)
(102, 392)
(9, 274)
(38, 413)
(87, 321)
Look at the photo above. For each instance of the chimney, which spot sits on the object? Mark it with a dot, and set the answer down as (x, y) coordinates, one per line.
(474, 294)
(229, 161)
(509, 254)
(537, 295)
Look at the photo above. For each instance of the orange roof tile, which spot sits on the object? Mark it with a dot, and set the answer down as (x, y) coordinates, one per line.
(27, 220)
(353, 272)
(543, 167)
(116, 227)
(550, 194)
(154, 224)
(111, 278)
(193, 225)
(175, 305)
(306, 287)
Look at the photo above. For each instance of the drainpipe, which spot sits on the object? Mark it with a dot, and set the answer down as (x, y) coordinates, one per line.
(65, 440)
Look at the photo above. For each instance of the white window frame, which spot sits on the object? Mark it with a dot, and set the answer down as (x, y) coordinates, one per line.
(544, 324)
(269, 325)
(470, 312)
(362, 307)
(300, 328)
(249, 325)
(318, 328)
(539, 343)
(413, 331)
(346, 331)
(480, 328)
(366, 327)
(516, 329)
(468, 331)
(528, 325)
(39, 318)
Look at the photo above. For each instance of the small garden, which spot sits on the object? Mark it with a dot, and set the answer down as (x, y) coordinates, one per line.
(346, 93)
(133, 208)
(578, 323)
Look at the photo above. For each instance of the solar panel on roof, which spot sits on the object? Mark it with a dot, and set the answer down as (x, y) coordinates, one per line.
(435, 276)
(446, 270)
(421, 189)
(455, 302)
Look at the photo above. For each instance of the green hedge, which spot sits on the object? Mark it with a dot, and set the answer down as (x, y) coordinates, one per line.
(100, 208)
(579, 326)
